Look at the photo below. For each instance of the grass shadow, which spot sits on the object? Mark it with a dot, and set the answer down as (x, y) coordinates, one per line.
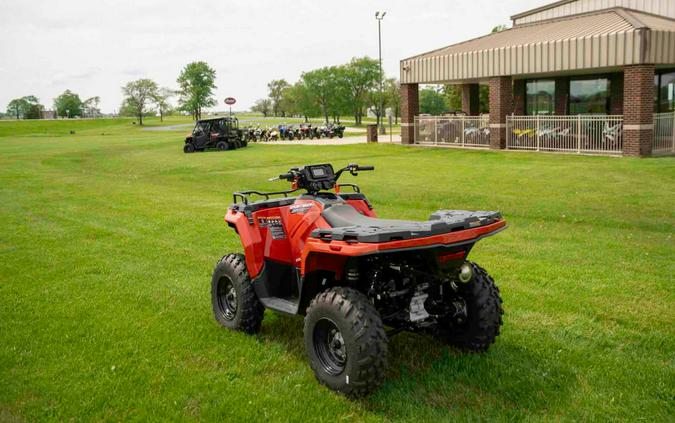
(436, 377)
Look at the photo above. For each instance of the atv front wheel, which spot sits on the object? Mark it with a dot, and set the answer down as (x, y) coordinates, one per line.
(483, 305)
(345, 341)
(222, 146)
(188, 148)
(234, 302)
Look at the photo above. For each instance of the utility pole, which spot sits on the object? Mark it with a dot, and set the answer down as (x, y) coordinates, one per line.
(379, 40)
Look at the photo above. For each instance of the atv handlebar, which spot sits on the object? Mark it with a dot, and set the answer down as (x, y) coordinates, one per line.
(314, 178)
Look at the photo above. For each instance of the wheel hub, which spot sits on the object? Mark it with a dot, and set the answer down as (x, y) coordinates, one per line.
(227, 298)
(330, 347)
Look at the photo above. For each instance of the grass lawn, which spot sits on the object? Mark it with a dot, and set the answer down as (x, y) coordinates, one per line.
(107, 244)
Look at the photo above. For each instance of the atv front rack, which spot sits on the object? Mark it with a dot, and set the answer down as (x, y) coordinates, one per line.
(246, 195)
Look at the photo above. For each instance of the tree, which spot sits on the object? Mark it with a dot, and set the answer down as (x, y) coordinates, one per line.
(361, 75)
(499, 28)
(68, 104)
(16, 107)
(90, 107)
(431, 101)
(139, 95)
(263, 105)
(392, 96)
(324, 86)
(276, 91)
(452, 95)
(299, 100)
(162, 101)
(197, 82)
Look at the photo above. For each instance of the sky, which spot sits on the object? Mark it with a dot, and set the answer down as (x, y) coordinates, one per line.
(94, 47)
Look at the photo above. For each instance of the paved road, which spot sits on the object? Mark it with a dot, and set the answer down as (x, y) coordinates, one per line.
(358, 139)
(169, 127)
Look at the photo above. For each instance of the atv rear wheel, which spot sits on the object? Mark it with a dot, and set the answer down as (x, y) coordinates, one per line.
(222, 146)
(483, 314)
(345, 341)
(188, 148)
(234, 302)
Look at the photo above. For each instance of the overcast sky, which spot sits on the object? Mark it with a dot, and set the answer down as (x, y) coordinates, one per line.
(93, 47)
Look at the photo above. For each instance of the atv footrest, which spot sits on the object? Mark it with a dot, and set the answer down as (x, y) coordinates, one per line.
(284, 305)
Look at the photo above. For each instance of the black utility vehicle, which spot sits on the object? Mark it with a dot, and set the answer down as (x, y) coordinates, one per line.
(220, 133)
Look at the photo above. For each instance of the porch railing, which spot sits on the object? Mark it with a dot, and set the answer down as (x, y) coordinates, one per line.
(664, 133)
(595, 134)
(457, 131)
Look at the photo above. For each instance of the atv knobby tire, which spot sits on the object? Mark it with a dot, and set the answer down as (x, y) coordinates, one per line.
(360, 340)
(241, 311)
(222, 146)
(484, 314)
(188, 148)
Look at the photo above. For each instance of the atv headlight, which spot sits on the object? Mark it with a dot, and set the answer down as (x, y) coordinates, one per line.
(465, 273)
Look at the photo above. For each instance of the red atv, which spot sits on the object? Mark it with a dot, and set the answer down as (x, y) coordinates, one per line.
(326, 256)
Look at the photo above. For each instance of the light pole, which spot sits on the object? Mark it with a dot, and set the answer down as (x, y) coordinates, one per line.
(379, 41)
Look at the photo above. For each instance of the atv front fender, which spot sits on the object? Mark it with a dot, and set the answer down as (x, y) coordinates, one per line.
(250, 240)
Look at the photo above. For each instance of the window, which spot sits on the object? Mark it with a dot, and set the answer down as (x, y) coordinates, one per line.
(664, 94)
(589, 96)
(540, 95)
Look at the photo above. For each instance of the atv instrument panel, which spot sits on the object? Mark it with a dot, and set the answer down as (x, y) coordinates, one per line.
(316, 173)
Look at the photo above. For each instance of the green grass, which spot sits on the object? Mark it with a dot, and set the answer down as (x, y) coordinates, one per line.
(107, 243)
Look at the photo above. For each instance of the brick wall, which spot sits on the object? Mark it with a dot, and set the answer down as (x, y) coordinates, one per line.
(410, 107)
(638, 109)
(501, 105)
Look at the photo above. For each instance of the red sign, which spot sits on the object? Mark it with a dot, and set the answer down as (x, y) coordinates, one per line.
(230, 101)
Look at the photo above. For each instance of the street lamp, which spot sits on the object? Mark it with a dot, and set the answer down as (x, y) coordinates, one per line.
(379, 40)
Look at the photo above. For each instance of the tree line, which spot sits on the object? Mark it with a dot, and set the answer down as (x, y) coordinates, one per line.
(68, 104)
(333, 91)
(142, 97)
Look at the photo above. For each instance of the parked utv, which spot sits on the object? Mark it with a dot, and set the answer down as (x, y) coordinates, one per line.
(325, 255)
(220, 133)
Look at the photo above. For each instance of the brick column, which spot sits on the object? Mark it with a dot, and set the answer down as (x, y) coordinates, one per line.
(410, 107)
(519, 97)
(471, 99)
(562, 94)
(638, 110)
(501, 105)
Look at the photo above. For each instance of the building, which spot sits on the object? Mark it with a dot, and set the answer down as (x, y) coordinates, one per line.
(47, 114)
(590, 76)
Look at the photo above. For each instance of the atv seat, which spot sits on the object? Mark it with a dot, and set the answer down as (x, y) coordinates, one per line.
(347, 224)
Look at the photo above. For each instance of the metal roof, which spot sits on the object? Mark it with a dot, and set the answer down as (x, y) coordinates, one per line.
(572, 7)
(601, 39)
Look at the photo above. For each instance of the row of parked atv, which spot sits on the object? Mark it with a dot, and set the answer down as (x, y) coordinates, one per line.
(290, 132)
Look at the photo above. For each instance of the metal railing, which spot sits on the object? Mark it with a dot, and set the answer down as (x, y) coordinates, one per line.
(457, 131)
(594, 134)
(664, 133)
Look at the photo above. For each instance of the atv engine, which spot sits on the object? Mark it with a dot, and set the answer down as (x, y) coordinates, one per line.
(409, 294)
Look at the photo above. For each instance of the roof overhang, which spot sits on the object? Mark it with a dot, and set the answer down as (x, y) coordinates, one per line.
(589, 42)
